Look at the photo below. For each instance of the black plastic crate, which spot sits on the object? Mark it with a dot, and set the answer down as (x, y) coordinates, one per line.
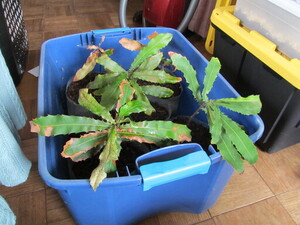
(281, 100)
(13, 38)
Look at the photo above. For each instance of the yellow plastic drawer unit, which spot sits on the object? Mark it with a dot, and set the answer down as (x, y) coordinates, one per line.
(253, 65)
(258, 45)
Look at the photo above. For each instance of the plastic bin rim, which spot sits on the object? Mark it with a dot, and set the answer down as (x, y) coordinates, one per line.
(115, 30)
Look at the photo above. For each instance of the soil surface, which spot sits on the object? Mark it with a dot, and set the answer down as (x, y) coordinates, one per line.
(159, 114)
(74, 87)
(200, 133)
(132, 149)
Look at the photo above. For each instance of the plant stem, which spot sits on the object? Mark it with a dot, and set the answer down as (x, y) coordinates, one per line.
(195, 113)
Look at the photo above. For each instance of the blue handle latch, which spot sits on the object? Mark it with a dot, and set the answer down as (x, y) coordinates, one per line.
(192, 160)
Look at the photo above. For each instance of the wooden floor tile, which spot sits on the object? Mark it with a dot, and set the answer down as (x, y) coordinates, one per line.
(199, 43)
(58, 10)
(291, 202)
(30, 149)
(33, 60)
(115, 20)
(182, 218)
(57, 212)
(86, 7)
(242, 189)
(33, 12)
(34, 183)
(280, 170)
(57, 2)
(207, 222)
(54, 34)
(35, 40)
(149, 221)
(266, 212)
(60, 23)
(34, 25)
(31, 112)
(95, 21)
(29, 208)
(28, 89)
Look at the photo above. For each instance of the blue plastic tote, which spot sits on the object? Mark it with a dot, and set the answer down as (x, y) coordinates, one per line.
(129, 199)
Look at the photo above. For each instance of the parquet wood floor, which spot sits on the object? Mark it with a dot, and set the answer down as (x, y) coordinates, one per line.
(267, 193)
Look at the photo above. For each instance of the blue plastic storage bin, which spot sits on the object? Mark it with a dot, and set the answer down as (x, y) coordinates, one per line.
(122, 200)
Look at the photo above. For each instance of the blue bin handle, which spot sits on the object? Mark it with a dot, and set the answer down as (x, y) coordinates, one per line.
(196, 161)
(120, 30)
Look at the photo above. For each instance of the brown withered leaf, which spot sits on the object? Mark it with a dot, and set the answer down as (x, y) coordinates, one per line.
(131, 45)
(87, 67)
(34, 128)
(138, 139)
(153, 35)
(94, 47)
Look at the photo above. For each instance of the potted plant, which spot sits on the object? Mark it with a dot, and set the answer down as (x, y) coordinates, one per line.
(148, 67)
(121, 199)
(229, 137)
(119, 91)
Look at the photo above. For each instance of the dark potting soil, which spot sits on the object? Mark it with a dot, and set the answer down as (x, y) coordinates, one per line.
(74, 87)
(84, 169)
(133, 149)
(130, 151)
(200, 133)
(160, 113)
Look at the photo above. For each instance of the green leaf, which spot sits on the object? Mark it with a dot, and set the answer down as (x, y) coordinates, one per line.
(107, 158)
(135, 106)
(87, 67)
(182, 63)
(156, 76)
(154, 45)
(211, 73)
(148, 109)
(157, 91)
(214, 122)
(103, 80)
(109, 51)
(151, 63)
(230, 154)
(89, 102)
(248, 106)
(126, 94)
(240, 139)
(110, 65)
(154, 131)
(111, 94)
(86, 155)
(80, 148)
(63, 124)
